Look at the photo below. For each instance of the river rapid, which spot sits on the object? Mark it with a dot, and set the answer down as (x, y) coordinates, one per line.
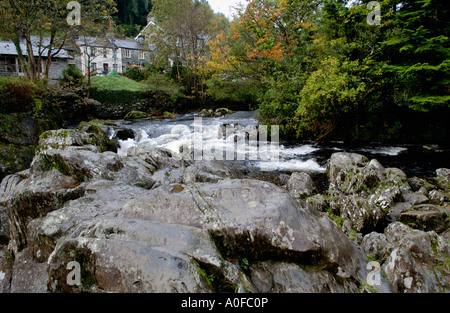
(183, 132)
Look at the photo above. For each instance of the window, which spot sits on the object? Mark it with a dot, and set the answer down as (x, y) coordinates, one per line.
(128, 54)
(105, 52)
(93, 67)
(141, 55)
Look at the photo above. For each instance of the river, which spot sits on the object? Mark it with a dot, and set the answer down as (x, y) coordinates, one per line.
(311, 157)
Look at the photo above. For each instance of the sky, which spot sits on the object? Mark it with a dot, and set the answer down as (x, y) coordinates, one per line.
(225, 6)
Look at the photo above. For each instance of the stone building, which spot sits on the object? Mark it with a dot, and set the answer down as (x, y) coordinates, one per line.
(105, 55)
(102, 55)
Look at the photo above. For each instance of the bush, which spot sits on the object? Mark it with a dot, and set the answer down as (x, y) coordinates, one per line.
(166, 91)
(227, 90)
(72, 77)
(330, 93)
(17, 94)
(135, 73)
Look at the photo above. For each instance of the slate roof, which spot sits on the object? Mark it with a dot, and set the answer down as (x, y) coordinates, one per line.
(8, 48)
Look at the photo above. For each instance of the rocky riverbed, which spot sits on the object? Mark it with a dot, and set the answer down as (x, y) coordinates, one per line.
(150, 221)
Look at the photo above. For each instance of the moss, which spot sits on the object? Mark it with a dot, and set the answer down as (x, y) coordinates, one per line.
(214, 277)
(96, 122)
(169, 115)
(336, 218)
(135, 115)
(6, 123)
(365, 287)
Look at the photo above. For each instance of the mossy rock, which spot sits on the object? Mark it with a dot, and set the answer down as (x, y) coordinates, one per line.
(169, 115)
(15, 158)
(63, 138)
(134, 115)
(96, 122)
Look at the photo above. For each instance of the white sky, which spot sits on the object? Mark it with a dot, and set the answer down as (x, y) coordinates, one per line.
(225, 6)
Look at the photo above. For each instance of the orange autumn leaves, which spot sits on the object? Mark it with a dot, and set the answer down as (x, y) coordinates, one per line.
(262, 35)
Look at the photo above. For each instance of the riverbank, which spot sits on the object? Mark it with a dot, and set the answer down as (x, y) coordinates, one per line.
(216, 228)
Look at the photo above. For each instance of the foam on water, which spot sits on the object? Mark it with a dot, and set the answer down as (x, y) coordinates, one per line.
(393, 151)
(186, 133)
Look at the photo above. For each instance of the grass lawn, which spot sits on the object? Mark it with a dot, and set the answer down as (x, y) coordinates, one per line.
(117, 82)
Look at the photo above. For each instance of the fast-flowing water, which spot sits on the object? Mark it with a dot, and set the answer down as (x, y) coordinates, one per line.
(181, 133)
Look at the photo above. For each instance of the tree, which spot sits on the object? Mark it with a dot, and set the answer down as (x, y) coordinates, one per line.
(47, 21)
(418, 51)
(132, 15)
(181, 32)
(44, 19)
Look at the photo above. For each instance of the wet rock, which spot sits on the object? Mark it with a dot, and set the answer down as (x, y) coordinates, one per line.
(415, 198)
(443, 173)
(438, 197)
(158, 158)
(80, 164)
(166, 258)
(300, 185)
(65, 138)
(368, 196)
(34, 198)
(125, 134)
(7, 186)
(215, 113)
(377, 246)
(412, 260)
(318, 202)
(210, 171)
(255, 220)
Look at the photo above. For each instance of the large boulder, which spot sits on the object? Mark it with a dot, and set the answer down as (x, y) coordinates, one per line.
(427, 217)
(254, 220)
(205, 232)
(93, 139)
(343, 160)
(280, 277)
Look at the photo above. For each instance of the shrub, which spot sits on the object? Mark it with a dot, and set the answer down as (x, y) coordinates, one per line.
(135, 73)
(72, 77)
(17, 94)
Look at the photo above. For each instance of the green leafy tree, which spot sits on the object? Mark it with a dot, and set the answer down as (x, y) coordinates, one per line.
(181, 32)
(418, 52)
